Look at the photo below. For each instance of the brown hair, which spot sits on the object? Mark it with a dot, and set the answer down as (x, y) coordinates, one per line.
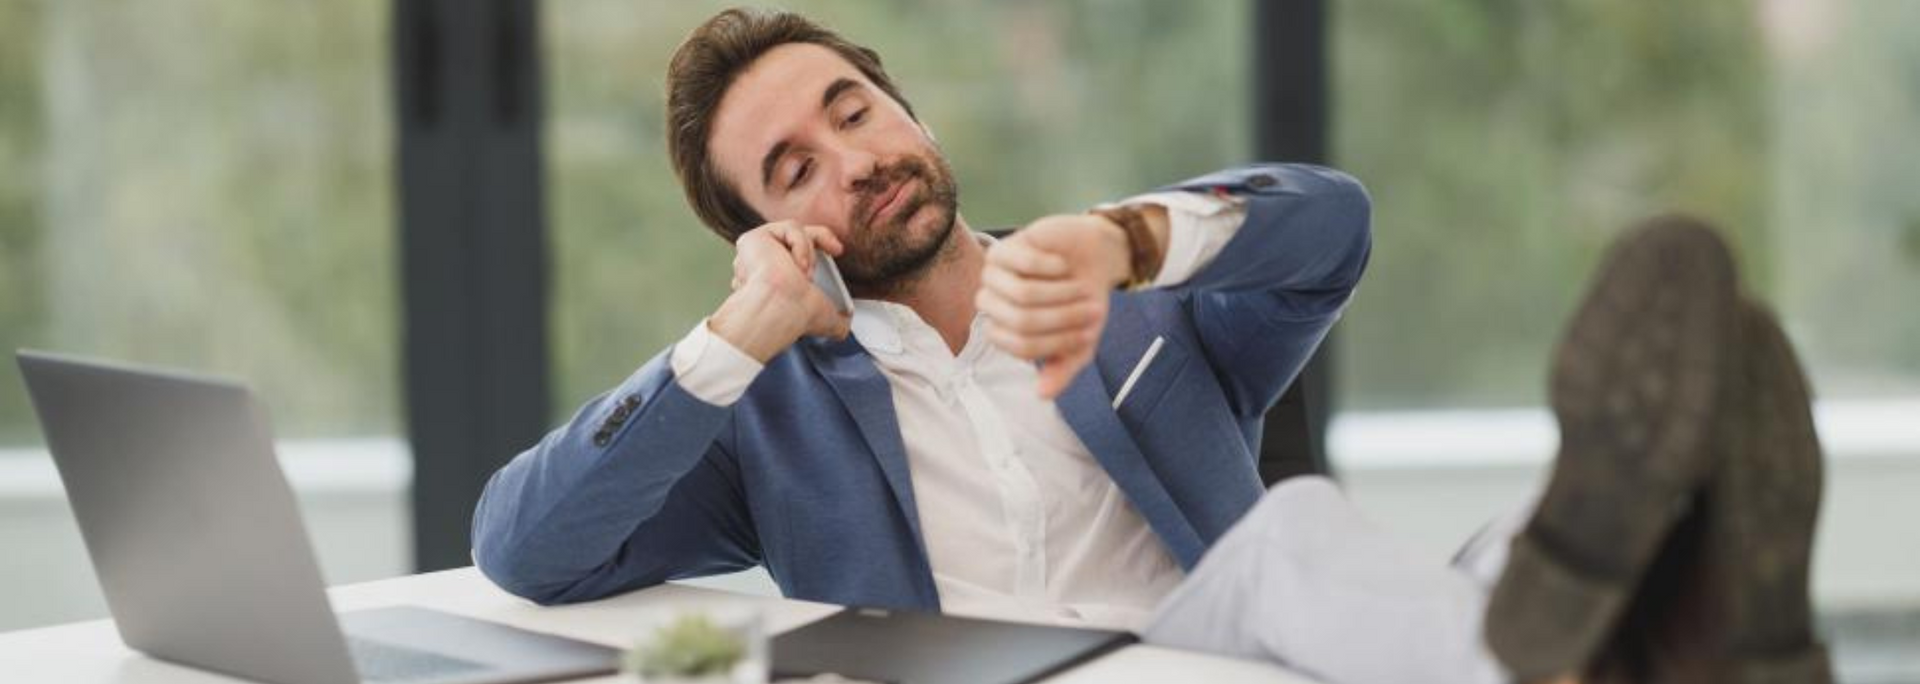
(698, 77)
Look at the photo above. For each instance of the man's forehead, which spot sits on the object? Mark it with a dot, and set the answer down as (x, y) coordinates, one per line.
(770, 98)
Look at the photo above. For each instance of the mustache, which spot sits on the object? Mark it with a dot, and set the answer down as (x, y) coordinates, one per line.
(884, 180)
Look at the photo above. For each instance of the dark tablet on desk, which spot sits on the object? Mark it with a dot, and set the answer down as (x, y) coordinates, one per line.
(928, 648)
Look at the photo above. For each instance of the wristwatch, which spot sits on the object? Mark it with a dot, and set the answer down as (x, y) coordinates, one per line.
(1143, 252)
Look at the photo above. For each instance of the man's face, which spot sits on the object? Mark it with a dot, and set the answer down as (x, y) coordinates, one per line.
(804, 136)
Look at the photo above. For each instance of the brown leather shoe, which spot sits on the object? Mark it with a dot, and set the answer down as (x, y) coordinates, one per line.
(1728, 599)
(1636, 385)
(1761, 506)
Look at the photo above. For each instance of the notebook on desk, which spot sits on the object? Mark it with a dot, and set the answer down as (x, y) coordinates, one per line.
(928, 648)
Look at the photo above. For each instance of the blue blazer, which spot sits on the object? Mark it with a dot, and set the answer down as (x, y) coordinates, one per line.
(807, 473)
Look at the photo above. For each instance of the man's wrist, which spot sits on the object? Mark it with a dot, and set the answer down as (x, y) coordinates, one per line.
(740, 321)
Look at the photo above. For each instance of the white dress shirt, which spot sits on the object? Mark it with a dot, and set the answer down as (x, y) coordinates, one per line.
(1019, 521)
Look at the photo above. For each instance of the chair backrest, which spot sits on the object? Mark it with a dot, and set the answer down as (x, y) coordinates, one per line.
(1293, 442)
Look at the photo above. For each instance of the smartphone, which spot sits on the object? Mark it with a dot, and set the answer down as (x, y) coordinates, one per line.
(826, 276)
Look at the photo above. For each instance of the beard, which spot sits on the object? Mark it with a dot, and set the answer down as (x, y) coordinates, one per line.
(888, 257)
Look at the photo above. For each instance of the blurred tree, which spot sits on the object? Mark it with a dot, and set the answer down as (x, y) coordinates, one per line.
(1506, 142)
(218, 204)
(22, 279)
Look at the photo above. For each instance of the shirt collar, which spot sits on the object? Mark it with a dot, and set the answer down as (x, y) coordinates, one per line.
(875, 327)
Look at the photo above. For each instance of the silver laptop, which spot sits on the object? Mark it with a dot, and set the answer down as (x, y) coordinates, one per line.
(202, 555)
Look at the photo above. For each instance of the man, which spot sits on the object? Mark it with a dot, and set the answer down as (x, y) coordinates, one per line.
(996, 430)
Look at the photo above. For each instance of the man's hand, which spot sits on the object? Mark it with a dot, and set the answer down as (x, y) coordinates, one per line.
(1045, 289)
(774, 300)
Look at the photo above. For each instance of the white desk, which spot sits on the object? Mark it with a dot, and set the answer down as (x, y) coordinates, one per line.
(91, 652)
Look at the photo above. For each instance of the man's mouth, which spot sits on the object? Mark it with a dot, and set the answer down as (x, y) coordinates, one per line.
(892, 201)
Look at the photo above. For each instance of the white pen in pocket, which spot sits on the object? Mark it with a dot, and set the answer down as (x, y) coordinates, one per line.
(1138, 370)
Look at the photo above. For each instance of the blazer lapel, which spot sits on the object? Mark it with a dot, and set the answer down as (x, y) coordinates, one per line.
(869, 399)
(1087, 406)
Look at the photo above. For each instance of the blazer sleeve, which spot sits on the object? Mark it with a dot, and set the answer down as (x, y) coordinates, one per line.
(637, 488)
(1265, 302)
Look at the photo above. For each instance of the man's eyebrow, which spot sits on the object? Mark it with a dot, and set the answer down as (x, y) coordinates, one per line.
(766, 163)
(833, 92)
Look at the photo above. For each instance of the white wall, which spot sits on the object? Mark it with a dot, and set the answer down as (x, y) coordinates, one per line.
(1434, 478)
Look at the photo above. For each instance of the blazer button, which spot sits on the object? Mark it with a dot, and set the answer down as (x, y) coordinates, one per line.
(620, 414)
(631, 402)
(601, 438)
(1261, 181)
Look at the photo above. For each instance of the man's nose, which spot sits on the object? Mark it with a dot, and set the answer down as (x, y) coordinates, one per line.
(856, 167)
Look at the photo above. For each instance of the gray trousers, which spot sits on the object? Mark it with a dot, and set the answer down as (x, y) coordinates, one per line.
(1306, 581)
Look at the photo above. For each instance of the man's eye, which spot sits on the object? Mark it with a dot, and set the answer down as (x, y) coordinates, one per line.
(857, 116)
(801, 174)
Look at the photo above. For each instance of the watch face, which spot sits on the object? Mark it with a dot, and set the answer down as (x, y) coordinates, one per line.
(826, 276)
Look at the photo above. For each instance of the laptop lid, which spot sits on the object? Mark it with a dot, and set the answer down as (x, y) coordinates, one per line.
(190, 524)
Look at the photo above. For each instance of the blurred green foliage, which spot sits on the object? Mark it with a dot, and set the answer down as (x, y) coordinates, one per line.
(1507, 141)
(203, 184)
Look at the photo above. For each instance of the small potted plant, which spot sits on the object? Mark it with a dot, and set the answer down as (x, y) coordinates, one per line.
(696, 648)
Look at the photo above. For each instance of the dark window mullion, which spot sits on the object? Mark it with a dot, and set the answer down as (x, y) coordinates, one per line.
(473, 258)
(1289, 53)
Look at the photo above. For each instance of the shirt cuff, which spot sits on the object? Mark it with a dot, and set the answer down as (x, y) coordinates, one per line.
(710, 368)
(1198, 227)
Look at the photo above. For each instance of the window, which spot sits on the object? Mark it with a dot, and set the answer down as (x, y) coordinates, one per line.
(203, 185)
(212, 204)
(1507, 143)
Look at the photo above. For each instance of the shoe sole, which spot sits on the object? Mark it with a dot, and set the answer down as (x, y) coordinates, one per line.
(1634, 387)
